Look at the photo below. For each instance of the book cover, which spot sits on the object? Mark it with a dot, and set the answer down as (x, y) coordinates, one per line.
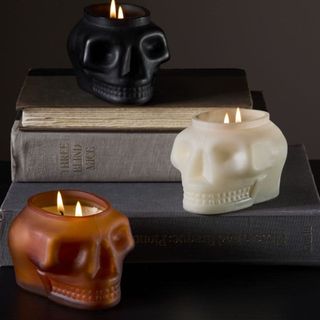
(91, 156)
(285, 230)
(52, 100)
(72, 156)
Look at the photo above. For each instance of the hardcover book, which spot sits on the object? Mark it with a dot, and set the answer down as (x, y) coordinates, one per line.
(91, 156)
(285, 230)
(52, 100)
(94, 156)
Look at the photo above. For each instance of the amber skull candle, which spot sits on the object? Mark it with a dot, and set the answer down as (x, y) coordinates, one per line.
(73, 251)
(116, 52)
(229, 159)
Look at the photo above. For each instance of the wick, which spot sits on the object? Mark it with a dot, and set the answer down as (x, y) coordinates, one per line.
(61, 212)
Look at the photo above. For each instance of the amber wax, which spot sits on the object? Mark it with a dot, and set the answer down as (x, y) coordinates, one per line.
(71, 254)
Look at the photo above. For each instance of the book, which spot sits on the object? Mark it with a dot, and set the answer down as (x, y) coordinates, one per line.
(95, 155)
(91, 156)
(285, 230)
(52, 100)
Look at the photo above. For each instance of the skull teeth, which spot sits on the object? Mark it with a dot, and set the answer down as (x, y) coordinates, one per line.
(125, 92)
(219, 197)
(86, 295)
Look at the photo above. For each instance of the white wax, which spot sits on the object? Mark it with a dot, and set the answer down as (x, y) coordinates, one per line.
(227, 167)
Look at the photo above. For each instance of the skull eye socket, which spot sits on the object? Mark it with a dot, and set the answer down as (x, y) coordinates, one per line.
(100, 53)
(262, 155)
(67, 257)
(69, 253)
(235, 157)
(119, 238)
(223, 154)
(154, 47)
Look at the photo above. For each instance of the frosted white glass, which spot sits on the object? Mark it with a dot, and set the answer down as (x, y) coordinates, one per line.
(228, 167)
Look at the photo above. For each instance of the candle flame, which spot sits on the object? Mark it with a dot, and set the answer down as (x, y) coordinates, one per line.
(238, 116)
(226, 118)
(78, 210)
(60, 206)
(113, 10)
(120, 13)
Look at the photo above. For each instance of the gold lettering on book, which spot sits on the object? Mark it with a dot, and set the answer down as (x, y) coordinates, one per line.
(277, 240)
(76, 157)
(90, 158)
(308, 239)
(64, 156)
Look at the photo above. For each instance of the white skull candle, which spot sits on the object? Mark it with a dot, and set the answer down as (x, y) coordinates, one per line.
(229, 160)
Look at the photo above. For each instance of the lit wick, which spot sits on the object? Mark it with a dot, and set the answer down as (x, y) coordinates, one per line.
(226, 118)
(78, 210)
(238, 116)
(60, 206)
(113, 11)
(120, 13)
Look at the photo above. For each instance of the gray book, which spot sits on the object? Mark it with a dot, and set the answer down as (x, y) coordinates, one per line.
(91, 156)
(285, 230)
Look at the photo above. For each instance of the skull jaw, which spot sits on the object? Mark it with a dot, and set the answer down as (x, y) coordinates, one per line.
(85, 305)
(71, 298)
(117, 94)
(123, 94)
(105, 297)
(231, 201)
(203, 199)
(211, 209)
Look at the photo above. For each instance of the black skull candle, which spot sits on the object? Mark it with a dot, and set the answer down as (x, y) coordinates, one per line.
(116, 52)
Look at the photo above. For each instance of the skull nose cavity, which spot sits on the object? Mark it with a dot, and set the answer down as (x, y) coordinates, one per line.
(94, 261)
(126, 68)
(102, 262)
(133, 65)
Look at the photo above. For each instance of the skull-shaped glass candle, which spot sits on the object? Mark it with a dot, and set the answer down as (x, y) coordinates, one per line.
(229, 160)
(72, 254)
(116, 53)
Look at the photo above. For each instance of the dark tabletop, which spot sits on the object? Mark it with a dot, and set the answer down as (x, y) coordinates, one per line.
(184, 291)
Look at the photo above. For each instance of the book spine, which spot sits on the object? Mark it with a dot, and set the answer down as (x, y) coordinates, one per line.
(5, 257)
(276, 240)
(91, 156)
(290, 240)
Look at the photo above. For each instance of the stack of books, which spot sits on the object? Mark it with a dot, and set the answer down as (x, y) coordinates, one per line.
(65, 134)
(65, 138)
